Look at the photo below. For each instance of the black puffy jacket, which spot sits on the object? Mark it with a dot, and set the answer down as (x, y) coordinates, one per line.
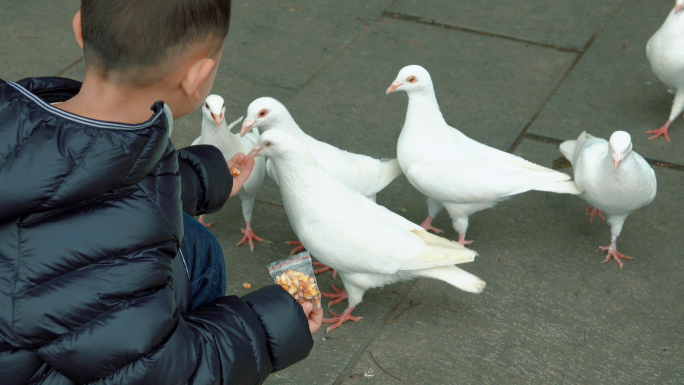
(91, 289)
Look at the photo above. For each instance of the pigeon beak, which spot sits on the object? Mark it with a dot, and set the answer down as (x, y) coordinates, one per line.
(617, 158)
(678, 8)
(217, 120)
(254, 153)
(395, 84)
(247, 126)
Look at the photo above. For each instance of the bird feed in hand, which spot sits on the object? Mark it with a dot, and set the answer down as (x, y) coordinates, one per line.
(296, 276)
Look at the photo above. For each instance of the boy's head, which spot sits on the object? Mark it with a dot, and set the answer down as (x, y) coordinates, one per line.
(138, 43)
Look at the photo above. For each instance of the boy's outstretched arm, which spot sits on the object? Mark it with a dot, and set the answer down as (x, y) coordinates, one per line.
(253, 336)
(206, 182)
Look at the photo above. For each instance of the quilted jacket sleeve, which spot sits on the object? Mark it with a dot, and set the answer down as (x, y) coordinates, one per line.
(206, 181)
(244, 340)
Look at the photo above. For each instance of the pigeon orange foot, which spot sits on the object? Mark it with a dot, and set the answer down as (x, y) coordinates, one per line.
(463, 241)
(339, 319)
(249, 237)
(593, 211)
(614, 254)
(661, 131)
(297, 249)
(427, 225)
(338, 296)
(324, 268)
(206, 224)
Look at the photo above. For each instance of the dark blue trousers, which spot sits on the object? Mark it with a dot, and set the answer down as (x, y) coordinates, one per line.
(204, 260)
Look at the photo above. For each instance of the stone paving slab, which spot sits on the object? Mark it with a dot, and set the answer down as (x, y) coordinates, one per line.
(285, 43)
(613, 88)
(567, 24)
(488, 88)
(551, 312)
(36, 38)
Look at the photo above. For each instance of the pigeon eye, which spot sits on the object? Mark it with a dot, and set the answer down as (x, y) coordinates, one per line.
(206, 105)
(269, 144)
(411, 79)
(263, 113)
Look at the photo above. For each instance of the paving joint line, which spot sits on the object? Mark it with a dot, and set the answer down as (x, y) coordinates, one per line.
(269, 202)
(377, 329)
(70, 66)
(567, 73)
(557, 142)
(435, 23)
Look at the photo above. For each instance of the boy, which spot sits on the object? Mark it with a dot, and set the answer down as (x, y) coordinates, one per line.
(94, 265)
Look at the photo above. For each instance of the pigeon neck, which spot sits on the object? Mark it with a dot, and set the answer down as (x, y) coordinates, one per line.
(291, 169)
(424, 105)
(208, 129)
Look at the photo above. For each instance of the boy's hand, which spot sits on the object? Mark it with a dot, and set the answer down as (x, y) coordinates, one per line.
(314, 315)
(245, 166)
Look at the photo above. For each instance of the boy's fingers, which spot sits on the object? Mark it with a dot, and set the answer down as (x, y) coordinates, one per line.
(308, 307)
(239, 158)
(316, 315)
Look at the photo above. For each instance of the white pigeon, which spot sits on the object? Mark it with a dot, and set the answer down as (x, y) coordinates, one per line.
(455, 171)
(217, 133)
(613, 179)
(369, 245)
(665, 51)
(360, 173)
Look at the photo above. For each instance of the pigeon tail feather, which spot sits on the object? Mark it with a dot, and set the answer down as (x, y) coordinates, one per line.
(440, 252)
(455, 277)
(561, 187)
(389, 171)
(568, 149)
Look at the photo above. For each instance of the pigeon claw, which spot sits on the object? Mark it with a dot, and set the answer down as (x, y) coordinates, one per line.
(463, 241)
(297, 249)
(324, 268)
(614, 254)
(338, 296)
(427, 225)
(249, 237)
(593, 211)
(206, 224)
(662, 131)
(339, 319)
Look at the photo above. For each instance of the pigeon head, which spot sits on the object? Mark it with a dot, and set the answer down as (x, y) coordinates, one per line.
(263, 113)
(678, 6)
(410, 79)
(276, 144)
(620, 145)
(213, 109)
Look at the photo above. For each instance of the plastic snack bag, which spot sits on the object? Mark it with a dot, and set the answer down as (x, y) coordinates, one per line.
(295, 275)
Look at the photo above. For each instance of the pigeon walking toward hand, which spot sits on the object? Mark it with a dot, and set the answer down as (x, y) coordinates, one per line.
(455, 171)
(665, 52)
(361, 173)
(217, 133)
(369, 245)
(613, 179)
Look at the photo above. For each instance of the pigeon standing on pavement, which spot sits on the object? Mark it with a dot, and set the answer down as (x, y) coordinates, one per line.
(665, 51)
(613, 179)
(369, 245)
(217, 133)
(455, 171)
(361, 173)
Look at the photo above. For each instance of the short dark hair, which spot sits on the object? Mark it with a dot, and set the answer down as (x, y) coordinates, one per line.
(136, 36)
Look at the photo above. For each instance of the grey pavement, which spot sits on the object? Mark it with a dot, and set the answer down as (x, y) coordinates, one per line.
(521, 76)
